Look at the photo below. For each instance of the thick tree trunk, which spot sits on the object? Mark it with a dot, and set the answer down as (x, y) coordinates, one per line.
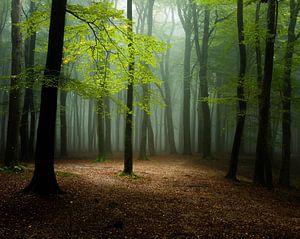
(241, 115)
(44, 180)
(263, 167)
(12, 139)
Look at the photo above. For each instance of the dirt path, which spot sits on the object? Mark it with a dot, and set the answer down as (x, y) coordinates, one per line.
(171, 198)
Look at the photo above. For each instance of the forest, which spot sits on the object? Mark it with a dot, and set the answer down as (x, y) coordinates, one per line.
(149, 119)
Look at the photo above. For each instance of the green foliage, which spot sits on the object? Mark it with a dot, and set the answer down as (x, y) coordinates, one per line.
(13, 169)
(97, 46)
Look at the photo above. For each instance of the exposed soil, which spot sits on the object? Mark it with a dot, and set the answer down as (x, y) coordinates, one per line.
(171, 198)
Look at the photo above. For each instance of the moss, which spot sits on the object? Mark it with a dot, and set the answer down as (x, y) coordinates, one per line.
(65, 174)
(102, 160)
(129, 176)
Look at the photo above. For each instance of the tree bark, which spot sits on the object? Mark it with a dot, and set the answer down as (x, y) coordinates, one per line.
(12, 139)
(128, 153)
(44, 180)
(241, 115)
(202, 55)
(263, 167)
(284, 177)
(185, 16)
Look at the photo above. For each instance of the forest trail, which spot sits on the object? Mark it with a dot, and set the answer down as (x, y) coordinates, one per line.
(171, 197)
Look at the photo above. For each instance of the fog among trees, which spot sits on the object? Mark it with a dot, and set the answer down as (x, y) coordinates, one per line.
(137, 87)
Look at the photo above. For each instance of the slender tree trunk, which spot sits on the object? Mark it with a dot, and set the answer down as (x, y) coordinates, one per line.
(108, 145)
(263, 167)
(241, 115)
(44, 180)
(185, 16)
(147, 131)
(202, 55)
(26, 128)
(284, 178)
(63, 124)
(128, 153)
(100, 130)
(12, 139)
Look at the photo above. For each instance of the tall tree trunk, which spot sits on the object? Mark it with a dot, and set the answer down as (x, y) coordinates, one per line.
(44, 180)
(147, 131)
(28, 106)
(263, 167)
(284, 178)
(128, 153)
(202, 55)
(12, 139)
(185, 16)
(241, 115)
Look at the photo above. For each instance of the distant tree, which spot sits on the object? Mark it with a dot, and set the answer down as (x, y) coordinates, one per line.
(165, 73)
(241, 114)
(12, 139)
(147, 130)
(263, 167)
(27, 129)
(44, 180)
(186, 18)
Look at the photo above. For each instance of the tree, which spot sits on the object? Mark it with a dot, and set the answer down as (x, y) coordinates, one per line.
(27, 130)
(12, 145)
(241, 115)
(128, 154)
(202, 55)
(185, 15)
(44, 180)
(147, 130)
(284, 178)
(263, 168)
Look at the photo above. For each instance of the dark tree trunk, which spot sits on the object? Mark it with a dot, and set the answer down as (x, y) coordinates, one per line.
(241, 115)
(263, 167)
(44, 180)
(202, 55)
(284, 178)
(128, 153)
(12, 139)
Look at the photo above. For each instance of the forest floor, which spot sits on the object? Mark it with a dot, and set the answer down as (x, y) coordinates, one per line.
(171, 197)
